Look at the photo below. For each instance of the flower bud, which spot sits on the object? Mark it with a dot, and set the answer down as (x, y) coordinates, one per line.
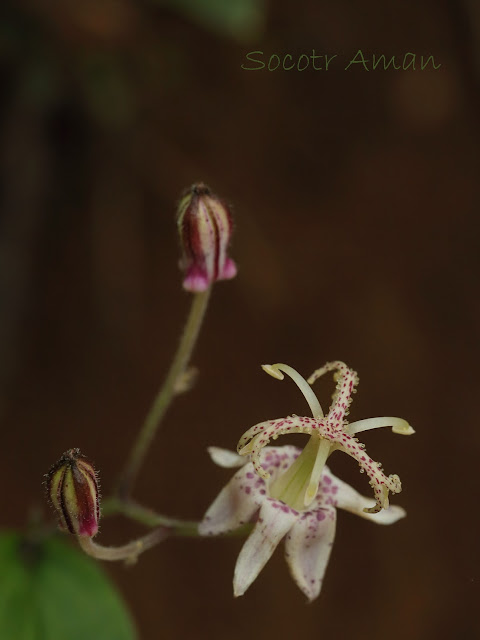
(205, 227)
(72, 486)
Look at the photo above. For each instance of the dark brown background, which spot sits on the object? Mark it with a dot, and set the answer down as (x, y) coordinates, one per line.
(356, 204)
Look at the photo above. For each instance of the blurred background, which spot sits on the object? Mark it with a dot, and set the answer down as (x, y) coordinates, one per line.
(355, 197)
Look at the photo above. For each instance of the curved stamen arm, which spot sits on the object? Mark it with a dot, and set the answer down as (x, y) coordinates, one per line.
(258, 436)
(398, 425)
(380, 483)
(242, 448)
(275, 370)
(347, 380)
(336, 365)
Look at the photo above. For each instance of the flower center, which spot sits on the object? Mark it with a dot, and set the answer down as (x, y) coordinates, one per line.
(298, 486)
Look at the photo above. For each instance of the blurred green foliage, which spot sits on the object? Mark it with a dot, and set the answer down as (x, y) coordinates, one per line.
(50, 591)
(241, 20)
(105, 57)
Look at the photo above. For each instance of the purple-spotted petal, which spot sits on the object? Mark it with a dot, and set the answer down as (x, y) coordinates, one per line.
(274, 521)
(307, 549)
(226, 458)
(235, 505)
(348, 498)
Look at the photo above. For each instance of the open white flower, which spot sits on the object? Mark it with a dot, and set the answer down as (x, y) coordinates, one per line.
(309, 534)
(293, 494)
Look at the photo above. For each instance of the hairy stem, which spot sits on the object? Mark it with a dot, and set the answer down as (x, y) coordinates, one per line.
(166, 393)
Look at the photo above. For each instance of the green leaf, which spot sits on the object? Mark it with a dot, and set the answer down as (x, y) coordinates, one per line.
(51, 591)
(242, 20)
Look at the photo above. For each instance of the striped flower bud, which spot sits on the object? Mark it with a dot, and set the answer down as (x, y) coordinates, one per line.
(72, 486)
(205, 227)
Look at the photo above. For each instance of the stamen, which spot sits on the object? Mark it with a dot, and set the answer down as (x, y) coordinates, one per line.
(398, 425)
(275, 371)
(322, 455)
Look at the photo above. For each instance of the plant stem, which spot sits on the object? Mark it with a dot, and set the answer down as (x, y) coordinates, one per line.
(128, 552)
(166, 393)
(148, 517)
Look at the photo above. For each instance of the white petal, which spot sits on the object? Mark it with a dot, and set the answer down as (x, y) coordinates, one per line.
(349, 499)
(274, 520)
(226, 458)
(234, 506)
(307, 549)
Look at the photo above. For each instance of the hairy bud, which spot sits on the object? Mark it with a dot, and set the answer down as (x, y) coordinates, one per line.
(72, 487)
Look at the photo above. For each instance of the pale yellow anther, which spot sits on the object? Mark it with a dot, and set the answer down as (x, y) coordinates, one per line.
(273, 371)
(403, 429)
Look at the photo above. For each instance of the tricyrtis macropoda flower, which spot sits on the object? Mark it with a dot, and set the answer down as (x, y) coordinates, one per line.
(72, 486)
(327, 433)
(205, 228)
(308, 533)
(292, 494)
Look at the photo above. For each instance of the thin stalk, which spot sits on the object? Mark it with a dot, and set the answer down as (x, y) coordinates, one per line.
(128, 552)
(166, 393)
(148, 517)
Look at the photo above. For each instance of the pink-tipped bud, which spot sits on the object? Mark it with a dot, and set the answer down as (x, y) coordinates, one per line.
(72, 486)
(205, 227)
